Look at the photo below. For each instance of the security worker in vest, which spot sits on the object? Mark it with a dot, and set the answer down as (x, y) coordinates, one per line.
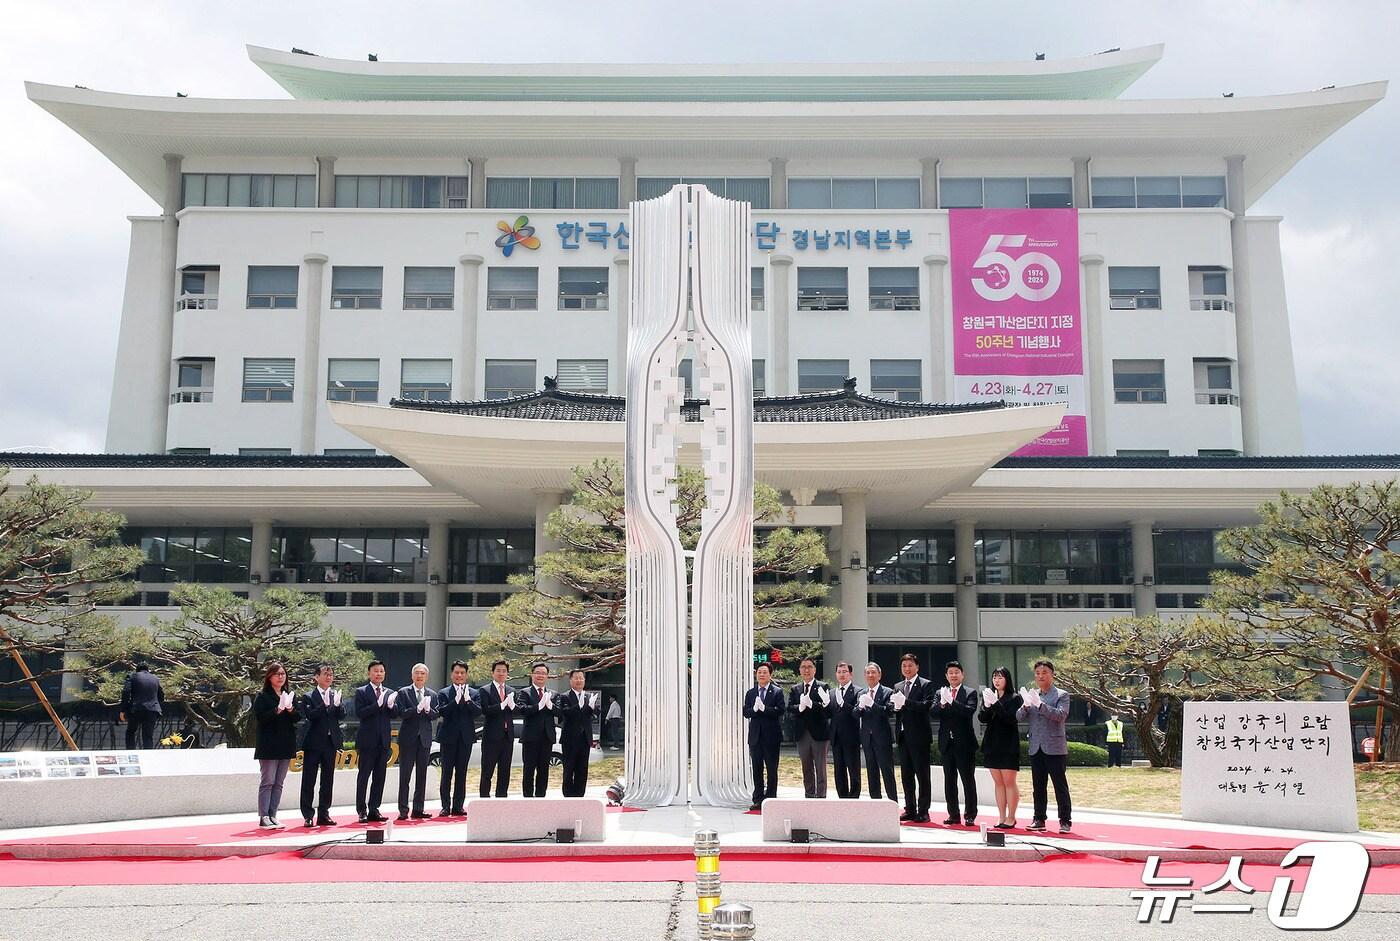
(1115, 742)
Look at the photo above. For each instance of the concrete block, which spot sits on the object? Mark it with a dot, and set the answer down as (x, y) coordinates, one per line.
(858, 821)
(497, 819)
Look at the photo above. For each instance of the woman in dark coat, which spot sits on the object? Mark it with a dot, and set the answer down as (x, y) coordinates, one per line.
(274, 708)
(1001, 743)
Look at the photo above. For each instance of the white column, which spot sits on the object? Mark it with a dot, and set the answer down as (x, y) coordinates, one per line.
(938, 385)
(855, 619)
(1144, 568)
(780, 317)
(547, 500)
(165, 322)
(1099, 378)
(260, 558)
(626, 181)
(471, 302)
(622, 290)
(832, 649)
(965, 594)
(777, 182)
(325, 182)
(310, 378)
(435, 612)
(1080, 184)
(1246, 358)
(476, 183)
(928, 182)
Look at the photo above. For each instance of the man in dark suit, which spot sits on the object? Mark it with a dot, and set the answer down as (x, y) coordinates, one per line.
(536, 704)
(956, 706)
(417, 706)
(320, 745)
(141, 703)
(845, 732)
(497, 731)
(374, 708)
(577, 708)
(873, 707)
(459, 705)
(808, 701)
(763, 707)
(913, 734)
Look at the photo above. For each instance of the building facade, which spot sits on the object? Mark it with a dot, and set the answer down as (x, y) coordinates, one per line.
(454, 238)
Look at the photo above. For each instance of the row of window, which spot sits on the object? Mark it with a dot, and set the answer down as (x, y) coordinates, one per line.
(491, 556)
(1145, 381)
(381, 191)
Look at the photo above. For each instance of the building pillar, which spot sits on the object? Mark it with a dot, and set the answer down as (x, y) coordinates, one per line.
(310, 381)
(965, 596)
(260, 559)
(1080, 185)
(547, 500)
(476, 183)
(1144, 569)
(928, 182)
(325, 182)
(71, 682)
(622, 290)
(832, 650)
(938, 390)
(780, 318)
(1245, 357)
(171, 195)
(435, 611)
(777, 182)
(471, 305)
(626, 181)
(1092, 266)
(855, 619)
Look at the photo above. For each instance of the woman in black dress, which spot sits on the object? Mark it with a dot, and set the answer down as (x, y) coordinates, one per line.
(274, 708)
(1001, 743)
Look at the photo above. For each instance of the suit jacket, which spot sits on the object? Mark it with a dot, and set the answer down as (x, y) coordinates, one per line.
(814, 720)
(276, 731)
(845, 724)
(539, 722)
(376, 729)
(576, 718)
(498, 726)
(875, 720)
(766, 727)
(416, 726)
(1048, 722)
(955, 732)
(323, 731)
(458, 719)
(142, 693)
(913, 720)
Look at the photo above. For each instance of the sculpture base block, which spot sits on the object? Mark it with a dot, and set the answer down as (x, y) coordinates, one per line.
(860, 821)
(499, 819)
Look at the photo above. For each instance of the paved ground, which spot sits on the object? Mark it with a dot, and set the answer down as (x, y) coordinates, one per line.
(607, 912)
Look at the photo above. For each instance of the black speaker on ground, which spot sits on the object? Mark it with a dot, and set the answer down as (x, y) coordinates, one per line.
(801, 835)
(564, 835)
(374, 837)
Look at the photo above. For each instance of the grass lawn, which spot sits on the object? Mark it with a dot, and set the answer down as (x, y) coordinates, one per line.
(1157, 790)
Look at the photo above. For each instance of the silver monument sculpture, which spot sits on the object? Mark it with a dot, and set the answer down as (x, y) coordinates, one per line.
(690, 288)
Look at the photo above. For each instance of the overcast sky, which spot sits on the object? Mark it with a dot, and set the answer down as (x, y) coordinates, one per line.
(63, 208)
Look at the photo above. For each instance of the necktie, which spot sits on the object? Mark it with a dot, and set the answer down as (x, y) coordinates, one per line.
(806, 689)
(906, 687)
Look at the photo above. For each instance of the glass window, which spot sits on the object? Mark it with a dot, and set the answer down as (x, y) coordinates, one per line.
(595, 193)
(853, 194)
(685, 371)
(1189, 556)
(508, 193)
(352, 380)
(1134, 287)
(213, 555)
(1009, 193)
(192, 189)
(264, 452)
(894, 288)
(583, 375)
(427, 380)
(654, 186)
(755, 289)
(509, 377)
(898, 379)
(821, 375)
(216, 189)
(284, 191)
(551, 193)
(374, 556)
(1218, 376)
(1203, 191)
(195, 373)
(268, 380)
(348, 452)
(1113, 192)
(895, 193)
(960, 193)
(1159, 192)
(272, 286)
(400, 192)
(1139, 380)
(809, 194)
(760, 380)
(356, 287)
(583, 288)
(490, 556)
(1051, 192)
(240, 189)
(428, 288)
(512, 288)
(752, 190)
(910, 557)
(261, 190)
(1053, 557)
(822, 289)
(1214, 283)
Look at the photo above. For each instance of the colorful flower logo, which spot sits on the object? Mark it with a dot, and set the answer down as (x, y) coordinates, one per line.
(522, 233)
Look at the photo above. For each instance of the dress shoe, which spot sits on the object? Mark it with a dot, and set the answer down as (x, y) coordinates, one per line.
(444, 812)
(1036, 825)
(1005, 826)
(402, 817)
(755, 807)
(307, 822)
(458, 812)
(907, 816)
(968, 821)
(952, 822)
(364, 818)
(324, 820)
(420, 815)
(921, 818)
(377, 817)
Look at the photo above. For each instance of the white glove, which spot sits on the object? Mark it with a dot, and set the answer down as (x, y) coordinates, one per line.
(825, 695)
(758, 705)
(898, 700)
(989, 697)
(335, 697)
(509, 702)
(1032, 698)
(547, 700)
(804, 703)
(425, 704)
(866, 701)
(945, 696)
(393, 698)
(284, 702)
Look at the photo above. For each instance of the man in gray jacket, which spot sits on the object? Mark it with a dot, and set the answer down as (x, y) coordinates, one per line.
(1047, 708)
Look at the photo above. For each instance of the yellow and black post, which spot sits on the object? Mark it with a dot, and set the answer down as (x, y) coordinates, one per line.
(706, 878)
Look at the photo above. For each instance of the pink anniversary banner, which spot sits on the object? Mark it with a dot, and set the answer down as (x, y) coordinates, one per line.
(1016, 310)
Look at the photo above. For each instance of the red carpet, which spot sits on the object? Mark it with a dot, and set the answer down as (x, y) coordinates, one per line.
(1055, 871)
(1168, 837)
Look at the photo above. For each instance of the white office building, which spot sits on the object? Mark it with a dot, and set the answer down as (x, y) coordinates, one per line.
(452, 239)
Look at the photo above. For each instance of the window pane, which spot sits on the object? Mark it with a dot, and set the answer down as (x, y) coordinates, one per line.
(583, 281)
(351, 279)
(272, 279)
(284, 190)
(193, 194)
(809, 194)
(821, 280)
(652, 187)
(583, 375)
(346, 192)
(897, 194)
(1158, 192)
(1134, 280)
(428, 281)
(306, 190)
(898, 378)
(367, 193)
(508, 193)
(1051, 192)
(960, 193)
(902, 282)
(595, 194)
(1004, 193)
(260, 190)
(1218, 376)
(1213, 283)
(752, 190)
(512, 280)
(821, 375)
(506, 377)
(423, 372)
(1203, 191)
(1138, 374)
(239, 189)
(216, 189)
(1113, 192)
(551, 193)
(852, 194)
(760, 383)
